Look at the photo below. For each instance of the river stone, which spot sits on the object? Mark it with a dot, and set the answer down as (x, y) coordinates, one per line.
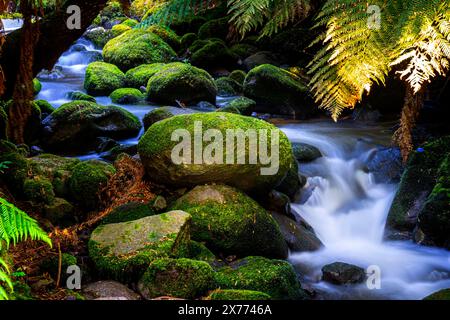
(75, 125)
(341, 273)
(103, 78)
(260, 58)
(108, 290)
(297, 237)
(123, 251)
(230, 222)
(155, 149)
(304, 152)
(386, 165)
(163, 113)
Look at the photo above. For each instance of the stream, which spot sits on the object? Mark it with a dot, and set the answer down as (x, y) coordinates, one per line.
(342, 202)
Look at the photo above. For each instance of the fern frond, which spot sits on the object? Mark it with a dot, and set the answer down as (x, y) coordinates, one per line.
(5, 281)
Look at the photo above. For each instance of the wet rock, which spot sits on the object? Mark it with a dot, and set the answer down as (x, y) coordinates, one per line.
(304, 152)
(113, 153)
(241, 105)
(60, 212)
(341, 273)
(386, 165)
(260, 58)
(103, 78)
(293, 182)
(163, 113)
(108, 290)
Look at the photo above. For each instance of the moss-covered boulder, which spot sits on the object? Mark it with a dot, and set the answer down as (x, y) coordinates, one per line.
(417, 183)
(129, 212)
(276, 278)
(87, 180)
(217, 28)
(75, 125)
(183, 83)
(243, 50)
(198, 251)
(136, 47)
(179, 278)
(118, 29)
(227, 87)
(169, 37)
(242, 105)
(212, 54)
(127, 96)
(439, 295)
(278, 91)
(242, 295)
(231, 223)
(238, 76)
(45, 107)
(156, 148)
(103, 78)
(38, 190)
(138, 77)
(123, 251)
(187, 40)
(99, 36)
(37, 86)
(260, 58)
(78, 95)
(60, 212)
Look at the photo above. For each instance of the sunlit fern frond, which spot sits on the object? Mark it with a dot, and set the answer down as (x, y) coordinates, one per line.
(5, 281)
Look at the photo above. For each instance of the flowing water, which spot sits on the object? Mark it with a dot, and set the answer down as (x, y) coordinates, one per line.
(9, 25)
(343, 204)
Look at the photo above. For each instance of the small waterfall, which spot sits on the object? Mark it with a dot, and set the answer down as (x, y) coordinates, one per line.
(348, 212)
(9, 25)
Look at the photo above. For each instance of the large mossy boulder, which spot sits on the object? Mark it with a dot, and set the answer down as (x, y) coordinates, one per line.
(241, 105)
(276, 278)
(138, 77)
(278, 91)
(230, 222)
(228, 87)
(127, 96)
(168, 36)
(136, 47)
(87, 180)
(103, 78)
(156, 149)
(129, 212)
(178, 278)
(123, 251)
(99, 36)
(38, 190)
(213, 54)
(420, 177)
(75, 125)
(78, 95)
(180, 82)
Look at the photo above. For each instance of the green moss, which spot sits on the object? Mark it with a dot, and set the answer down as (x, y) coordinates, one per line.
(237, 295)
(440, 295)
(181, 278)
(17, 172)
(103, 78)
(37, 86)
(170, 37)
(50, 265)
(118, 29)
(187, 40)
(155, 116)
(127, 96)
(129, 212)
(123, 251)
(231, 223)
(198, 251)
(276, 278)
(241, 105)
(99, 36)
(214, 28)
(243, 50)
(238, 76)
(80, 96)
(155, 149)
(87, 179)
(227, 87)
(45, 107)
(181, 82)
(138, 77)
(136, 47)
(60, 212)
(38, 190)
(212, 54)
(130, 22)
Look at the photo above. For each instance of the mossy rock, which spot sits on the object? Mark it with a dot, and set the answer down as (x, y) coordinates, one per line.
(439, 295)
(213, 54)
(242, 295)
(130, 22)
(198, 251)
(238, 76)
(60, 212)
(78, 123)
(127, 96)
(214, 28)
(434, 219)
(155, 149)
(81, 96)
(17, 172)
(138, 77)
(243, 50)
(169, 37)
(417, 183)
(181, 82)
(123, 251)
(118, 29)
(136, 47)
(45, 107)
(242, 105)
(227, 87)
(305, 153)
(293, 182)
(187, 40)
(231, 223)
(87, 180)
(278, 91)
(276, 278)
(37, 86)
(50, 265)
(129, 212)
(163, 113)
(99, 36)
(179, 278)
(39, 190)
(103, 78)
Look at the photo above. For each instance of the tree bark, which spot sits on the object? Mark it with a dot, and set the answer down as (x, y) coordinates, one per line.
(56, 39)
